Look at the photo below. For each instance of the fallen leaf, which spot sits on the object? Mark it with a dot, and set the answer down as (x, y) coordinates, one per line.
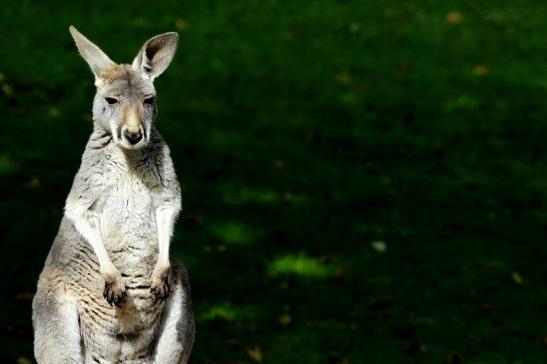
(360, 87)
(233, 343)
(7, 90)
(340, 272)
(287, 196)
(481, 70)
(379, 246)
(454, 17)
(517, 278)
(343, 78)
(285, 319)
(34, 183)
(287, 35)
(181, 24)
(354, 27)
(278, 163)
(53, 112)
(255, 354)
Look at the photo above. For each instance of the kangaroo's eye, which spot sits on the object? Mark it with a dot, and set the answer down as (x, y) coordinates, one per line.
(111, 100)
(149, 100)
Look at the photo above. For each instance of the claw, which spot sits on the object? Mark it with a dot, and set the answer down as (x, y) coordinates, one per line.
(160, 288)
(114, 293)
(161, 292)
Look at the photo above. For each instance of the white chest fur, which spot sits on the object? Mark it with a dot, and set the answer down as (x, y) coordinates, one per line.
(127, 208)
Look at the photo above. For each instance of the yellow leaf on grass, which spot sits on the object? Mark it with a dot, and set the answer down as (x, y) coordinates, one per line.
(481, 70)
(181, 24)
(255, 354)
(379, 246)
(34, 182)
(454, 17)
(278, 163)
(343, 78)
(340, 272)
(53, 112)
(517, 278)
(23, 360)
(354, 27)
(7, 90)
(285, 319)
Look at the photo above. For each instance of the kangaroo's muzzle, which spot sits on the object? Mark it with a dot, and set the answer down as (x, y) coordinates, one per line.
(132, 129)
(132, 137)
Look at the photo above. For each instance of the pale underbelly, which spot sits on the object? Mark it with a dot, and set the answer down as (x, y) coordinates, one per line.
(103, 346)
(129, 233)
(119, 334)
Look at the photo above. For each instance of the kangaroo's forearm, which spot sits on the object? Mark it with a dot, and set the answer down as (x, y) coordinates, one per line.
(165, 220)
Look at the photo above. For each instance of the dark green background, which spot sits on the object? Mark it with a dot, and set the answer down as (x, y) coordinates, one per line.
(302, 132)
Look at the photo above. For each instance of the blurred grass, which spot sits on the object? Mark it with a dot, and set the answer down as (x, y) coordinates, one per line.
(303, 132)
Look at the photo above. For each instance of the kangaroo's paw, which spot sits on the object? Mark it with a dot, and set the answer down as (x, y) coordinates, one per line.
(114, 290)
(160, 283)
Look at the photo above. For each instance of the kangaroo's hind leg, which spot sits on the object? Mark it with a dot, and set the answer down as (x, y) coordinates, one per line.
(56, 329)
(177, 328)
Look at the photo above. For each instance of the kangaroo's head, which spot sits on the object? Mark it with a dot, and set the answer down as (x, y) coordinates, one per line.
(125, 102)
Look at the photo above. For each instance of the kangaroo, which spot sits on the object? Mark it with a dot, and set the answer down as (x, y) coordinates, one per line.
(108, 292)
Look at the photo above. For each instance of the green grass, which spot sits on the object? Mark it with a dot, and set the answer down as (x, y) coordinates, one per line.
(303, 132)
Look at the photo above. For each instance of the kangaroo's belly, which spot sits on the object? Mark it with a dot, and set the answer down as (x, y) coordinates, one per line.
(113, 334)
(128, 229)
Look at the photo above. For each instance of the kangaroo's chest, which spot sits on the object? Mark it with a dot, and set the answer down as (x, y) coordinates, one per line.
(127, 208)
(128, 199)
(127, 213)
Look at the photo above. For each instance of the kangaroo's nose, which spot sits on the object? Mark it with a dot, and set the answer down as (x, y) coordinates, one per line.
(132, 138)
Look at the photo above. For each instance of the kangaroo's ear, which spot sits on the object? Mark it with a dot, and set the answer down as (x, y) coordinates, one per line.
(93, 55)
(156, 54)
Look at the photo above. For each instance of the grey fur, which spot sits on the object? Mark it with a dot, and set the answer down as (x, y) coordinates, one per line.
(108, 293)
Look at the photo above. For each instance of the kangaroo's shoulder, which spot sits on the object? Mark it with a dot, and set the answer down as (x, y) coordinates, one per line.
(98, 164)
